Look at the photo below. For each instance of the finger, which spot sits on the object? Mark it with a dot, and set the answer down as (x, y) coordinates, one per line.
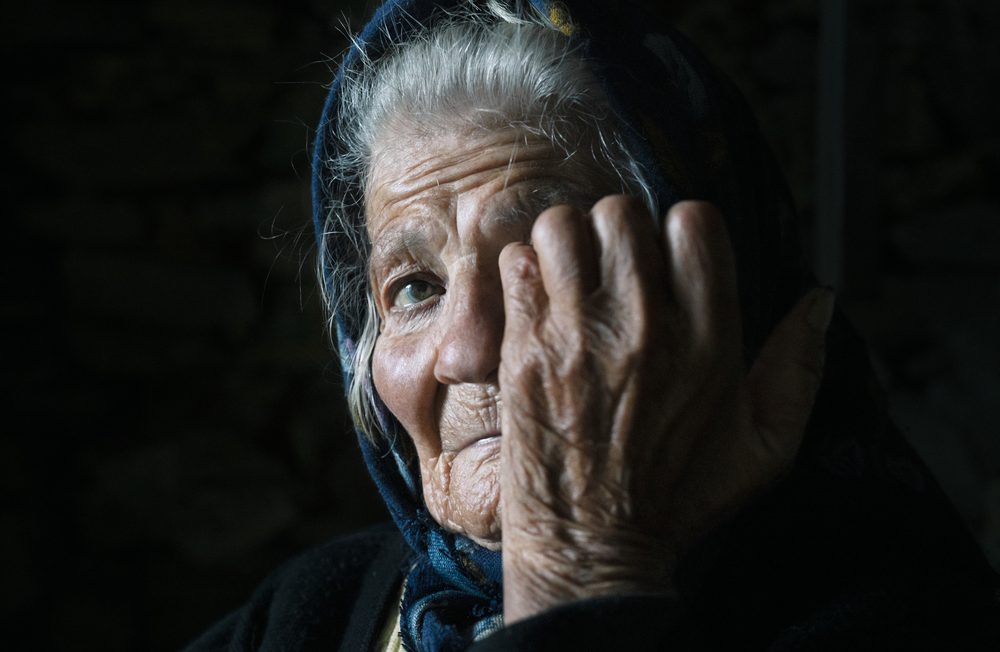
(703, 276)
(564, 243)
(631, 262)
(524, 298)
(787, 374)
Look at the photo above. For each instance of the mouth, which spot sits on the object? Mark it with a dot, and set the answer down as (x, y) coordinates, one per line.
(481, 440)
(485, 438)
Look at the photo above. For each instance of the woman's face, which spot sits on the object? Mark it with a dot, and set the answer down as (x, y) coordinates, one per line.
(439, 211)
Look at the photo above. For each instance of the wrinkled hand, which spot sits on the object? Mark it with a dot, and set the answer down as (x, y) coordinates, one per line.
(630, 426)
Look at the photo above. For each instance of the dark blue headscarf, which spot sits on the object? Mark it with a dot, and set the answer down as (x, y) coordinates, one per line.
(692, 133)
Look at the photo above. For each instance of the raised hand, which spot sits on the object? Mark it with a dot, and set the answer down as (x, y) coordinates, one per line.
(630, 425)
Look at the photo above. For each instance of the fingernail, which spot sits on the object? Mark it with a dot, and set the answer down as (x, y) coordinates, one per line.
(821, 311)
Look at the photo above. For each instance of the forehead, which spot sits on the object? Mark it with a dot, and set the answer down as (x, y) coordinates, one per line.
(500, 170)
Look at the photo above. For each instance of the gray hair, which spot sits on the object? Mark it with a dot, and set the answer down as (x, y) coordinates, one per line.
(483, 67)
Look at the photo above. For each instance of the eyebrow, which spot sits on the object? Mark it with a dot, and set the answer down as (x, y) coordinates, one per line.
(389, 251)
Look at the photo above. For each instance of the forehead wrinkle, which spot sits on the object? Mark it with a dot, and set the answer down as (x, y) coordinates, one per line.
(506, 195)
(392, 221)
(501, 212)
(460, 171)
(414, 233)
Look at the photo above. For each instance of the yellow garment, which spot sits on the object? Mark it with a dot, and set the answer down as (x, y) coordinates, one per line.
(389, 640)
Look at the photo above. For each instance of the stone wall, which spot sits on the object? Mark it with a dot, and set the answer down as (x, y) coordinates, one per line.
(177, 427)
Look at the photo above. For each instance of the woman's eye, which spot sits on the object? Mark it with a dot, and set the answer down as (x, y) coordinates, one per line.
(414, 292)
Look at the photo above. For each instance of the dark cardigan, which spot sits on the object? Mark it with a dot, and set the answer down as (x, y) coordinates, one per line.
(339, 596)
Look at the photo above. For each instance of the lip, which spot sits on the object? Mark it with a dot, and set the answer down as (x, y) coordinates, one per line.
(484, 439)
(488, 437)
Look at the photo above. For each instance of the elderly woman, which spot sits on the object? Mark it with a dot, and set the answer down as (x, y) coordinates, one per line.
(595, 408)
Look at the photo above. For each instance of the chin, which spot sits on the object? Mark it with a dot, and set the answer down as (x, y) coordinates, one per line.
(463, 493)
(471, 509)
(485, 534)
(481, 526)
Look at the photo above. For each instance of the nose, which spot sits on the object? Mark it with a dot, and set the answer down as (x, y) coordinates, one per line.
(469, 351)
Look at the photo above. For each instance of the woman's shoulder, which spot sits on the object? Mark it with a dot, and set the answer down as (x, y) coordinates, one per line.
(308, 602)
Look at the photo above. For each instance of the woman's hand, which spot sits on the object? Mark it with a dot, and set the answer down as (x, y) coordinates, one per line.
(630, 427)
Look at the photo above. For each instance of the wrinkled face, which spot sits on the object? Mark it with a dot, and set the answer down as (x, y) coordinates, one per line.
(439, 211)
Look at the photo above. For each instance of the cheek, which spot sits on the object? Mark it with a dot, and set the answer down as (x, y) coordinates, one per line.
(402, 371)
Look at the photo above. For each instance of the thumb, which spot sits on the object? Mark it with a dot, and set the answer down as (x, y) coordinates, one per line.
(786, 375)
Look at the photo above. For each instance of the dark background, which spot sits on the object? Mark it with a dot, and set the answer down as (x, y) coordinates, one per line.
(175, 423)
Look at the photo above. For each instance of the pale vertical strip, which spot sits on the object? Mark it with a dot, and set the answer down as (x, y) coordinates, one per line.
(828, 230)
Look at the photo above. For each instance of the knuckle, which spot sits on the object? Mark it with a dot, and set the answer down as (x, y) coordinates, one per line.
(518, 266)
(524, 269)
(625, 220)
(696, 220)
(696, 210)
(552, 223)
(620, 205)
(615, 209)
